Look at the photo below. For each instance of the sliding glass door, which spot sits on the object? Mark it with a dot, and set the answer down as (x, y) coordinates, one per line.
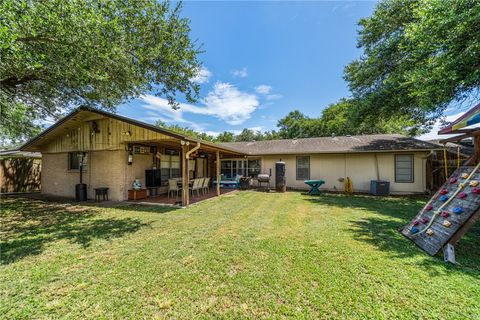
(231, 169)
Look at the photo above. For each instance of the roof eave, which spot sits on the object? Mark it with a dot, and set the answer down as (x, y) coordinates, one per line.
(25, 147)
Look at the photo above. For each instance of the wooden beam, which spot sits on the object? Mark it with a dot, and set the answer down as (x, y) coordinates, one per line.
(185, 185)
(467, 225)
(218, 172)
(454, 139)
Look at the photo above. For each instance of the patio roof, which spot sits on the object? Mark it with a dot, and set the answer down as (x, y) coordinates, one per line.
(82, 114)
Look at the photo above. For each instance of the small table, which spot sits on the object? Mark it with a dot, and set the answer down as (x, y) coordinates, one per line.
(314, 185)
(137, 194)
(101, 192)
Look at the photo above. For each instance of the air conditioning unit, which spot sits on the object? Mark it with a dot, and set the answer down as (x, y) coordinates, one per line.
(380, 187)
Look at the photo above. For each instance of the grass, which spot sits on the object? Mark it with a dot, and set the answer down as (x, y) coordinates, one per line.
(242, 255)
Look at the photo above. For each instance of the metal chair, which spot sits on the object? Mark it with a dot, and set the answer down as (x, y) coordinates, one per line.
(173, 187)
(206, 187)
(196, 186)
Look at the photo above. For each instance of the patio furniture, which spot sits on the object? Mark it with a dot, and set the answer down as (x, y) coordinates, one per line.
(233, 183)
(196, 186)
(101, 192)
(173, 186)
(245, 183)
(314, 185)
(200, 184)
(205, 186)
(137, 194)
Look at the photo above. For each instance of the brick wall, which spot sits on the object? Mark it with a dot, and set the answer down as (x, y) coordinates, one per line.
(105, 169)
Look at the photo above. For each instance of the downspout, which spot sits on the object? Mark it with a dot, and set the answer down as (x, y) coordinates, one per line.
(187, 155)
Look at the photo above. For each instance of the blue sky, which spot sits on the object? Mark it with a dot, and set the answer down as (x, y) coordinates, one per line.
(262, 60)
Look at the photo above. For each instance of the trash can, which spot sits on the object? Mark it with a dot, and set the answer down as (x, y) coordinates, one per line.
(280, 179)
(81, 192)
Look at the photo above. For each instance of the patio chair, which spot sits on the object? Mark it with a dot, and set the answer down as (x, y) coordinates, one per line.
(206, 187)
(173, 187)
(196, 186)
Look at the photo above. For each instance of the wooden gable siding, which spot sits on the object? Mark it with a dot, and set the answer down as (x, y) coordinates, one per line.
(110, 135)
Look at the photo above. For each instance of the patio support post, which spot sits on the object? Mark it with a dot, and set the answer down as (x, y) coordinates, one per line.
(218, 172)
(185, 190)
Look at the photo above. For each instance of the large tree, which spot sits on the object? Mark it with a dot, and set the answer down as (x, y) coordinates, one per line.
(419, 57)
(59, 54)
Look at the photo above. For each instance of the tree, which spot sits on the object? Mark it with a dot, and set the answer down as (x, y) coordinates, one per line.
(59, 54)
(225, 136)
(297, 125)
(184, 130)
(343, 118)
(419, 57)
(246, 135)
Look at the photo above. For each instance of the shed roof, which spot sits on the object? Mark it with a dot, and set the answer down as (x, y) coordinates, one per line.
(19, 154)
(465, 148)
(341, 144)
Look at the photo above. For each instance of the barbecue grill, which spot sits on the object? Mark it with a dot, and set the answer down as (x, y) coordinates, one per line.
(263, 178)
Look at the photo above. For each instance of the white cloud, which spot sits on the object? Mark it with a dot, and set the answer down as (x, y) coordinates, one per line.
(271, 97)
(240, 73)
(433, 134)
(263, 89)
(203, 76)
(225, 102)
(229, 104)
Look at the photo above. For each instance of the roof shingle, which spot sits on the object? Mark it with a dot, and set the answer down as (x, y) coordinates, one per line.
(341, 144)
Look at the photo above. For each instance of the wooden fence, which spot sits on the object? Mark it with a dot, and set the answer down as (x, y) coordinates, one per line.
(20, 174)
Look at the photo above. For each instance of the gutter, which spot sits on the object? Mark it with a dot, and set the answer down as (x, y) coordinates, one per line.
(187, 155)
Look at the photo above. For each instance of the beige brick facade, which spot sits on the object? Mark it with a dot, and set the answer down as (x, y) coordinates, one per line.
(105, 169)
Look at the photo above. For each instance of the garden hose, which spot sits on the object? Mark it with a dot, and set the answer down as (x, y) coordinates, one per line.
(348, 186)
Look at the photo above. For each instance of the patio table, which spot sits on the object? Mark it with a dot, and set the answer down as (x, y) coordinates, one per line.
(314, 185)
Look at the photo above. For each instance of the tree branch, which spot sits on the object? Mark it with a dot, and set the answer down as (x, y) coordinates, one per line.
(10, 83)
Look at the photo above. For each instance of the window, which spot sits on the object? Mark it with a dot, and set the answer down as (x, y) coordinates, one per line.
(74, 159)
(303, 168)
(253, 168)
(403, 168)
(230, 169)
(170, 166)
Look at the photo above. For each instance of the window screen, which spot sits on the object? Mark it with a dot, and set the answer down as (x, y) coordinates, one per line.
(303, 168)
(74, 160)
(403, 168)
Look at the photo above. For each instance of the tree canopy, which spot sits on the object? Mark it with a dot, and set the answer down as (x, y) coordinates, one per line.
(418, 57)
(59, 54)
(184, 130)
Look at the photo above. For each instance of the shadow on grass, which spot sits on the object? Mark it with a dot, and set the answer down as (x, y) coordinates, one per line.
(382, 230)
(28, 225)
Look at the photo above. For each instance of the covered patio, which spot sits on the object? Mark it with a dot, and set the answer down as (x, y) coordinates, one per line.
(109, 156)
(176, 168)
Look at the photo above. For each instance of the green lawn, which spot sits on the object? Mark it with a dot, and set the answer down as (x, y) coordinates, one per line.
(242, 255)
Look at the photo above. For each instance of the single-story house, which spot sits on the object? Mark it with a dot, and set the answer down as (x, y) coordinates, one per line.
(114, 151)
(395, 158)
